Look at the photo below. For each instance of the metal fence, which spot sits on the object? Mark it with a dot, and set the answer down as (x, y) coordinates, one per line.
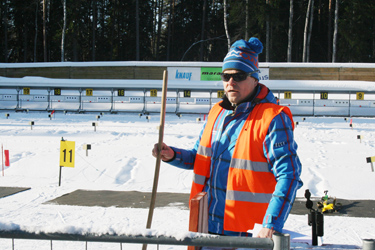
(279, 242)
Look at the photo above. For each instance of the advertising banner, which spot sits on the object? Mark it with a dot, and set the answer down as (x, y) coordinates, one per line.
(204, 73)
(184, 73)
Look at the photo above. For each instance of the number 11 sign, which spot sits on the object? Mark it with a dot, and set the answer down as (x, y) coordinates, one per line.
(67, 153)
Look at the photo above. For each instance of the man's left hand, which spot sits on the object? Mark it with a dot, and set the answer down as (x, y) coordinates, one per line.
(265, 233)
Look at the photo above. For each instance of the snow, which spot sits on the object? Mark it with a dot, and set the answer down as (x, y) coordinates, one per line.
(120, 159)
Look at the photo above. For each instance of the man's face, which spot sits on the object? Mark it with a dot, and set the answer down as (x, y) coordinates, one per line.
(238, 91)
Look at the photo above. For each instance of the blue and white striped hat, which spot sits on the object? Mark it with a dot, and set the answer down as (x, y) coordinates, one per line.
(243, 56)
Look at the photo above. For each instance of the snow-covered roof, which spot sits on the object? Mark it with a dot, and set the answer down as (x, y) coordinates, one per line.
(275, 85)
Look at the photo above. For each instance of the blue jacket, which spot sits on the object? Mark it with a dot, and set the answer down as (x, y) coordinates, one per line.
(279, 148)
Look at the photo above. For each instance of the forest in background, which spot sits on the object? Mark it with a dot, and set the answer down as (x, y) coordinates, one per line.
(185, 30)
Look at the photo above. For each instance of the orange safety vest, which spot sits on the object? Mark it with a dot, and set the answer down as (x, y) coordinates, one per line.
(250, 182)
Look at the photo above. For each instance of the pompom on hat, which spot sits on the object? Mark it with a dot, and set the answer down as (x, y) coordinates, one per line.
(243, 56)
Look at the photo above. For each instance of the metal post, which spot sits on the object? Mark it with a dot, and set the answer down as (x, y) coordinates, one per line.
(49, 99)
(368, 244)
(177, 102)
(313, 228)
(60, 176)
(371, 160)
(313, 103)
(18, 98)
(112, 100)
(144, 101)
(281, 241)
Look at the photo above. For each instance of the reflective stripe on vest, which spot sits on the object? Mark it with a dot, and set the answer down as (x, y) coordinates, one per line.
(248, 196)
(206, 151)
(249, 165)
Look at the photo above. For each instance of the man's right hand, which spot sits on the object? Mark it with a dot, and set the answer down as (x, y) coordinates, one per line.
(166, 152)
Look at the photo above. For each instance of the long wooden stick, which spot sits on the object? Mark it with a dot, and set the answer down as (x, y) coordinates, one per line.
(158, 158)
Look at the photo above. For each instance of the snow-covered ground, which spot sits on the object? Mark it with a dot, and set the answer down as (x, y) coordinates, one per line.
(120, 159)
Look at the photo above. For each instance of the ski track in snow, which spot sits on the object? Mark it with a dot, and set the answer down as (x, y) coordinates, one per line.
(125, 172)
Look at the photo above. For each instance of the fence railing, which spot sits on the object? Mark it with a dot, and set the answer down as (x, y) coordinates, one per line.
(279, 242)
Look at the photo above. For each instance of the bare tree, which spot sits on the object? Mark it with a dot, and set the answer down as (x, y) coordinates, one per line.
(160, 15)
(226, 24)
(137, 29)
(5, 21)
(309, 33)
(329, 47)
(94, 25)
(335, 32)
(268, 32)
(290, 32)
(170, 23)
(44, 31)
(36, 29)
(247, 21)
(154, 25)
(63, 33)
(203, 29)
(306, 31)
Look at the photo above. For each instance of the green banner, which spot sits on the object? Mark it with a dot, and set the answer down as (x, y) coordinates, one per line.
(210, 74)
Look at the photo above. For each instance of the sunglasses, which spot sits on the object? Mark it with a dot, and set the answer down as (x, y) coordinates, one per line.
(237, 77)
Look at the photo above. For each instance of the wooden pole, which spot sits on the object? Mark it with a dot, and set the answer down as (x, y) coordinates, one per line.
(158, 158)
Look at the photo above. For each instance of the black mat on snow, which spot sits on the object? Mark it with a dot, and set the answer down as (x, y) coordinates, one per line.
(6, 191)
(135, 199)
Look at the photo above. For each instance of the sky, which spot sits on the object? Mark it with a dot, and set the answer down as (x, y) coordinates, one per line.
(120, 159)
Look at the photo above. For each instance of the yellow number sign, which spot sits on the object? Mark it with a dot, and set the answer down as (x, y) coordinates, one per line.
(323, 95)
(360, 95)
(89, 92)
(26, 91)
(187, 93)
(220, 94)
(57, 91)
(121, 92)
(287, 95)
(153, 92)
(67, 153)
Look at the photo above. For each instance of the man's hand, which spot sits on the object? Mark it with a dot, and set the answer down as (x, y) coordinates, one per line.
(166, 152)
(265, 233)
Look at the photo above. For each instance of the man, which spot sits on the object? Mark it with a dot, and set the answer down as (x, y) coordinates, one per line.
(246, 157)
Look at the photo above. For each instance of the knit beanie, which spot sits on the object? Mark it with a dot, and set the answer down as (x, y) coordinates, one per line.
(243, 56)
